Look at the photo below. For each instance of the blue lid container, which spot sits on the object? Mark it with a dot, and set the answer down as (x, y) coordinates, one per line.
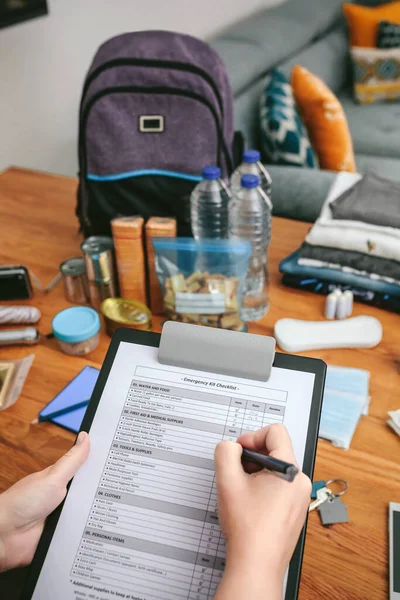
(76, 324)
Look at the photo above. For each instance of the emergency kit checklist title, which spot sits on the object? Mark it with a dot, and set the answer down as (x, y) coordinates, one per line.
(213, 384)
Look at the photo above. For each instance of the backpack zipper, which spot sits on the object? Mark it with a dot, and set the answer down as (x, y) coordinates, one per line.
(221, 144)
(154, 63)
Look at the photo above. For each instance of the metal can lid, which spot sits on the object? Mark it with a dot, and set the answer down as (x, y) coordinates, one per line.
(126, 312)
(73, 266)
(97, 243)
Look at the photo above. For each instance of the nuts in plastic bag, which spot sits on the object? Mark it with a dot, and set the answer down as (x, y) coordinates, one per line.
(202, 281)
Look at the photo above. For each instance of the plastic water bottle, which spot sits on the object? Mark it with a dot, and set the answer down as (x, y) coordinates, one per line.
(250, 219)
(253, 166)
(209, 206)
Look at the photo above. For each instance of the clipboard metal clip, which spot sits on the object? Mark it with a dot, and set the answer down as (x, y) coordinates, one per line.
(217, 350)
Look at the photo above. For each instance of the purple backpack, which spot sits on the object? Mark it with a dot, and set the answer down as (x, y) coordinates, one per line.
(156, 108)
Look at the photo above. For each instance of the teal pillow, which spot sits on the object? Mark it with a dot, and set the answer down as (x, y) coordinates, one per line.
(284, 138)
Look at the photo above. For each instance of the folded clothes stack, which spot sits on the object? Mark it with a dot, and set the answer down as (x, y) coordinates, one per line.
(354, 244)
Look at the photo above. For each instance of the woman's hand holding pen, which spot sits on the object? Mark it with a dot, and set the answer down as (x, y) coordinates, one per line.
(260, 514)
(25, 506)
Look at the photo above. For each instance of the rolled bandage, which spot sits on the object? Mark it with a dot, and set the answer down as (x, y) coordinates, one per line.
(15, 315)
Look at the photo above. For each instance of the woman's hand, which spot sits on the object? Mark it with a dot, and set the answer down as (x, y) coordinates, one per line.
(25, 506)
(261, 516)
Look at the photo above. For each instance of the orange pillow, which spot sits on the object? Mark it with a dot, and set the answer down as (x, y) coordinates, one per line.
(363, 22)
(324, 118)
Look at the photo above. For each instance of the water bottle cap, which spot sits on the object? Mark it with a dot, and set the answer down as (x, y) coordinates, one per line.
(251, 156)
(211, 172)
(249, 181)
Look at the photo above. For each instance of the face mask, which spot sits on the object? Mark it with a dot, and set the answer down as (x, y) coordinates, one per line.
(346, 399)
(394, 420)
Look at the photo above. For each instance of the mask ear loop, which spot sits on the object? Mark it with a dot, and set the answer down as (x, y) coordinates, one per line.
(342, 482)
(49, 287)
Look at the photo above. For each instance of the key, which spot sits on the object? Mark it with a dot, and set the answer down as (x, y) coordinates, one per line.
(332, 511)
(323, 495)
(317, 485)
(341, 486)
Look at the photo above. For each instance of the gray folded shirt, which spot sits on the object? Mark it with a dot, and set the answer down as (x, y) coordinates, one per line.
(371, 200)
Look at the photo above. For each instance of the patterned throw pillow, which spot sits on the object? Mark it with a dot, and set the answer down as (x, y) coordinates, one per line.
(284, 138)
(326, 122)
(388, 35)
(376, 74)
(364, 21)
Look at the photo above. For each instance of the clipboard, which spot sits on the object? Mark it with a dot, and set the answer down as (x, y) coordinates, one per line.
(179, 346)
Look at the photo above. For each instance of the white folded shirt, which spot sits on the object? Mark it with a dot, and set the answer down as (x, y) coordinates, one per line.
(355, 236)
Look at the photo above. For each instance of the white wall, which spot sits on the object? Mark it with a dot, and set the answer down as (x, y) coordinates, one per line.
(43, 63)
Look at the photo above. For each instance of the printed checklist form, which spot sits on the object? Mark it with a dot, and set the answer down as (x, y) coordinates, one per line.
(140, 520)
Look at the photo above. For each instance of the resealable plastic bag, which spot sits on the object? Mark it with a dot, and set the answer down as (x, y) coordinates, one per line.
(202, 281)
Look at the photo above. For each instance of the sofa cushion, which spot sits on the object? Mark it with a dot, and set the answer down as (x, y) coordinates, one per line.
(284, 139)
(382, 166)
(375, 128)
(376, 74)
(246, 114)
(325, 120)
(372, 2)
(364, 21)
(388, 35)
(257, 44)
(326, 57)
(299, 193)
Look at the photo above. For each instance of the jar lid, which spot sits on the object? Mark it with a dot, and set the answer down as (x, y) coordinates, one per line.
(76, 324)
(73, 266)
(128, 313)
(96, 244)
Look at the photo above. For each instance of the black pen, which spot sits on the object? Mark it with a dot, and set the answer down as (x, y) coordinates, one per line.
(285, 470)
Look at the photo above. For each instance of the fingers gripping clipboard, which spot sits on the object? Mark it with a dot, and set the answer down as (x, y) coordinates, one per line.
(140, 517)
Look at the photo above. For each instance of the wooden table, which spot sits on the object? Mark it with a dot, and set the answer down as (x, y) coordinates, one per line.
(38, 229)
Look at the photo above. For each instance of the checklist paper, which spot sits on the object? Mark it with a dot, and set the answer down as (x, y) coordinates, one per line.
(140, 520)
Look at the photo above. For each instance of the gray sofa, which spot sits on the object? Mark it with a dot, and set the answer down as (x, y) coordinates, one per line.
(311, 33)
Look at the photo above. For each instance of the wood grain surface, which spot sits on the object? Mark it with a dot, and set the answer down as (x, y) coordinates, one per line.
(38, 228)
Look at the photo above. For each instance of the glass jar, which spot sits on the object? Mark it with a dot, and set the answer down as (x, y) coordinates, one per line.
(77, 330)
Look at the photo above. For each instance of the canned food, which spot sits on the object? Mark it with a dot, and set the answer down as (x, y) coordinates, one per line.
(99, 261)
(73, 273)
(120, 312)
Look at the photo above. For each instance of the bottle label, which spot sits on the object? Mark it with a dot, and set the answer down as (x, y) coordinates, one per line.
(200, 304)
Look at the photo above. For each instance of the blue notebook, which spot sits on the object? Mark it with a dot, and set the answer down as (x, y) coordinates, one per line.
(77, 390)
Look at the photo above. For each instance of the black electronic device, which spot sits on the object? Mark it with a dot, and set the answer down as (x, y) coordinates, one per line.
(394, 550)
(15, 283)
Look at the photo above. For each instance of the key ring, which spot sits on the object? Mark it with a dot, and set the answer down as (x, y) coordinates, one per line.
(342, 482)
